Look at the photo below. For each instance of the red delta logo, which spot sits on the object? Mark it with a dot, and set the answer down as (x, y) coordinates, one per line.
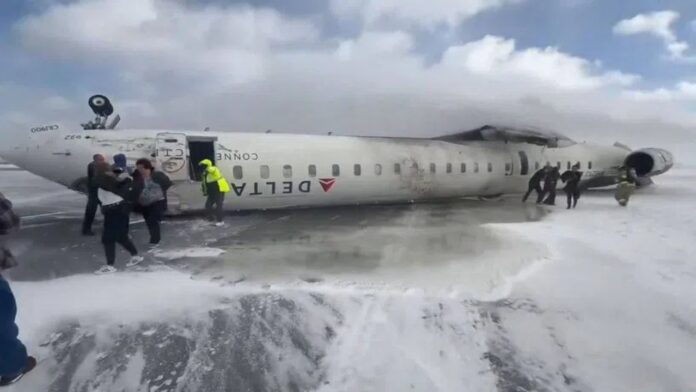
(327, 183)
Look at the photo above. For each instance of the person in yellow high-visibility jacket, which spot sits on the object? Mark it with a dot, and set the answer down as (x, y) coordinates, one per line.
(214, 187)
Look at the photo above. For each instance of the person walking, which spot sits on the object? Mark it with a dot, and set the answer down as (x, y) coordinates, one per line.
(150, 188)
(571, 178)
(535, 184)
(550, 185)
(92, 199)
(214, 187)
(14, 360)
(115, 194)
(627, 180)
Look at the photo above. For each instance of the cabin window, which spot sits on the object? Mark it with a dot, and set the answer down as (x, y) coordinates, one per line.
(312, 169)
(378, 169)
(508, 168)
(357, 170)
(490, 167)
(265, 172)
(462, 168)
(524, 164)
(568, 165)
(433, 168)
(536, 165)
(287, 171)
(335, 170)
(237, 172)
(579, 165)
(476, 167)
(397, 168)
(589, 165)
(558, 164)
(448, 168)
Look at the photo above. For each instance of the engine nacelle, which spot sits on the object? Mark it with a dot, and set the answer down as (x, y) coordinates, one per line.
(649, 162)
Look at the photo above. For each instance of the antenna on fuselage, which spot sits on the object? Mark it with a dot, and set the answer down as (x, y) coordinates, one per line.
(102, 108)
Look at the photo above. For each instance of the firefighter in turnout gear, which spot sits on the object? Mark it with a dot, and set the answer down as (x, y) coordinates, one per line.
(214, 187)
(626, 185)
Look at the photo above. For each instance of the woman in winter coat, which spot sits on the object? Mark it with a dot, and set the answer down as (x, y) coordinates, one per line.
(150, 187)
(115, 195)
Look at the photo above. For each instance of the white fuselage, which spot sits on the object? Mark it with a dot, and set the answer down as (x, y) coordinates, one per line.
(286, 170)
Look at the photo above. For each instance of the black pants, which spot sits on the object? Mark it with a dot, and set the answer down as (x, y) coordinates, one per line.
(573, 196)
(90, 212)
(153, 216)
(532, 188)
(217, 199)
(551, 198)
(116, 225)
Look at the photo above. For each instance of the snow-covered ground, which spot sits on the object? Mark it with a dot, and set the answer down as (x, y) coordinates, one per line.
(595, 299)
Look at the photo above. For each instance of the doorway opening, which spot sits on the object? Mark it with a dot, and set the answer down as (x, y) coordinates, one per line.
(199, 149)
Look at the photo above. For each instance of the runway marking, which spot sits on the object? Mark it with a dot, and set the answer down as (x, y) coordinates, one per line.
(42, 215)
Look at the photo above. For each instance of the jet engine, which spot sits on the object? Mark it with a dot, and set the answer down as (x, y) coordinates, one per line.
(649, 162)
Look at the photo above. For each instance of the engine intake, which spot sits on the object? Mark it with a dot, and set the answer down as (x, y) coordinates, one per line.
(650, 162)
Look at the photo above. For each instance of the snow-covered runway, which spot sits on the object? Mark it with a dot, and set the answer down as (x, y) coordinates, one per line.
(467, 296)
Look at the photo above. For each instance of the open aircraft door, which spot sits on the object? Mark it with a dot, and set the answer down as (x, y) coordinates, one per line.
(171, 155)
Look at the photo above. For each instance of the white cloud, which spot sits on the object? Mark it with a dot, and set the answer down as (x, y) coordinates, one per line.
(496, 56)
(425, 14)
(659, 24)
(683, 91)
(165, 36)
(246, 69)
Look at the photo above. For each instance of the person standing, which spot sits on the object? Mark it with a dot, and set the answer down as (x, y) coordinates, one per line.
(535, 184)
(92, 199)
(626, 185)
(151, 187)
(14, 360)
(550, 185)
(115, 194)
(214, 187)
(572, 185)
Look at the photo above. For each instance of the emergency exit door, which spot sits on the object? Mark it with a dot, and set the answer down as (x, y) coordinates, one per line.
(171, 155)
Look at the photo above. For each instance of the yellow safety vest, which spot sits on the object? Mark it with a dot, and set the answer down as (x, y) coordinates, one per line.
(212, 174)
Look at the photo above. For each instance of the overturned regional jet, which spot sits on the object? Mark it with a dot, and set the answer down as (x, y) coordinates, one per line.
(269, 170)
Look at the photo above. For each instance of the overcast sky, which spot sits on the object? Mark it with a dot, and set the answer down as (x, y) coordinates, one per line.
(587, 67)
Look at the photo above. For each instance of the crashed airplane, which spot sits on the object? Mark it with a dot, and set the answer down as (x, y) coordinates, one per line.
(270, 171)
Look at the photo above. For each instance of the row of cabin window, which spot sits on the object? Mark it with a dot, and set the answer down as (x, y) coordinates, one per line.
(537, 165)
(237, 171)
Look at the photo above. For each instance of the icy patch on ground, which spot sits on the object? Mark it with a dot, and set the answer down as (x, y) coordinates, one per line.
(188, 253)
(601, 315)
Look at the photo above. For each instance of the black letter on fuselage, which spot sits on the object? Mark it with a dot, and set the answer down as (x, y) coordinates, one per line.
(272, 184)
(256, 190)
(287, 186)
(304, 186)
(238, 190)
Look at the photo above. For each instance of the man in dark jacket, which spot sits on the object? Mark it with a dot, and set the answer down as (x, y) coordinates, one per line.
(92, 199)
(535, 184)
(116, 196)
(572, 185)
(550, 185)
(14, 361)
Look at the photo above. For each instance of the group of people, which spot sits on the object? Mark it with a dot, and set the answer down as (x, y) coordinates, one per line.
(550, 175)
(626, 183)
(120, 191)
